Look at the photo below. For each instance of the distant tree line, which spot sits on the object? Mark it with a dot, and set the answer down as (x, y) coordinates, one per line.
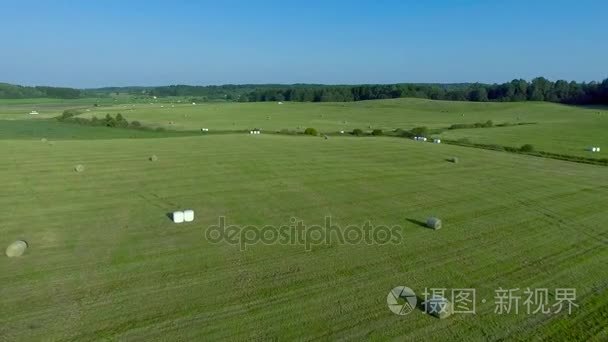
(10, 91)
(539, 89)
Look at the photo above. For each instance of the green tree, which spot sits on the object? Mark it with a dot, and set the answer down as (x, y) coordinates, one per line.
(422, 131)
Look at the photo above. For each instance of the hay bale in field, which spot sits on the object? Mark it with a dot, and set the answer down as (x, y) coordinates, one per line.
(16, 249)
(188, 215)
(79, 168)
(453, 160)
(438, 306)
(178, 216)
(43, 140)
(433, 222)
(153, 158)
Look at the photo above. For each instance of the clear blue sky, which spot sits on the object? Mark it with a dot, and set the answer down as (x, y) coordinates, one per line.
(118, 43)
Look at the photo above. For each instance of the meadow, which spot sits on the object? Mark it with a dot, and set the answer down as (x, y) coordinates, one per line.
(557, 128)
(105, 262)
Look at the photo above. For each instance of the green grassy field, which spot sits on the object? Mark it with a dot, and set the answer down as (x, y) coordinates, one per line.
(558, 128)
(105, 261)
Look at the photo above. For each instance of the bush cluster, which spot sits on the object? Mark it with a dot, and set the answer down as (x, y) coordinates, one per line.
(311, 131)
(530, 150)
(71, 115)
(486, 124)
(357, 132)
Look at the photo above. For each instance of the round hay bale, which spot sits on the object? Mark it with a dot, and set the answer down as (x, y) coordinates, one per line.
(454, 160)
(153, 158)
(433, 222)
(79, 168)
(43, 140)
(438, 306)
(16, 249)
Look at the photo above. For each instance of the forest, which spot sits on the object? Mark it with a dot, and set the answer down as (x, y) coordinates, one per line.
(538, 89)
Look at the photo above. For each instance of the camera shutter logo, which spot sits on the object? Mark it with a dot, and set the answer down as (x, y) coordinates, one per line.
(401, 300)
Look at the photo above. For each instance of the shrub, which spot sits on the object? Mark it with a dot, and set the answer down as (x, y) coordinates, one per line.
(461, 126)
(357, 132)
(68, 113)
(496, 147)
(489, 123)
(135, 124)
(377, 132)
(422, 131)
(288, 131)
(405, 134)
(311, 131)
(109, 121)
(526, 148)
(120, 121)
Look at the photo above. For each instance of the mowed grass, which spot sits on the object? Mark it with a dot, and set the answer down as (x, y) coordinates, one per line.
(557, 129)
(19, 109)
(52, 129)
(106, 262)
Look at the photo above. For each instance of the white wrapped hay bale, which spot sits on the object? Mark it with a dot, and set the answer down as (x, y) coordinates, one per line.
(16, 249)
(178, 216)
(153, 158)
(189, 215)
(79, 168)
(433, 222)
